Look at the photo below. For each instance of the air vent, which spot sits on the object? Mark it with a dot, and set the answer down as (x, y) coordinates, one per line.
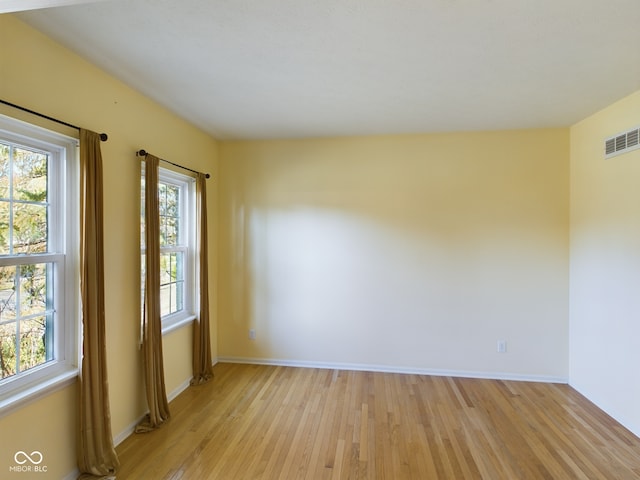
(622, 143)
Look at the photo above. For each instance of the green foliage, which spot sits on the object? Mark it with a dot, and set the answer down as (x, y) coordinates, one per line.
(169, 198)
(23, 288)
(31, 346)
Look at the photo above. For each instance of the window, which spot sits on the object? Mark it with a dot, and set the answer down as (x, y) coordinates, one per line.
(39, 291)
(176, 198)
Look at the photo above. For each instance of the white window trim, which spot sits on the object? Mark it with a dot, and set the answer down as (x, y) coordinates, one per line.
(63, 370)
(186, 183)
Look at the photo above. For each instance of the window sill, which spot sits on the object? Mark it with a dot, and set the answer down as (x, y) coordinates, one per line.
(171, 324)
(31, 393)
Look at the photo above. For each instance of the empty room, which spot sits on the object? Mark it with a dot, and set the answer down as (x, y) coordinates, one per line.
(319, 240)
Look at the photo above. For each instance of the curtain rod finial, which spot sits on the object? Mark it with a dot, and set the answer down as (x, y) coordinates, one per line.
(207, 175)
(141, 153)
(104, 137)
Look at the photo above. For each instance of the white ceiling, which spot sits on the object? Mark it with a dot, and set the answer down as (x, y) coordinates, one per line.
(308, 68)
(8, 6)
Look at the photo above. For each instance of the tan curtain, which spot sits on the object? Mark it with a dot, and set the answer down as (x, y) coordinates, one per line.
(152, 327)
(202, 369)
(96, 454)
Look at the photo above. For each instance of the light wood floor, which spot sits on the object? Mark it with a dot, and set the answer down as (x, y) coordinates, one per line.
(264, 422)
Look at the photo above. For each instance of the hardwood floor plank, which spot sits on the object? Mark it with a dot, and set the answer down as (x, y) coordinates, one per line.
(270, 422)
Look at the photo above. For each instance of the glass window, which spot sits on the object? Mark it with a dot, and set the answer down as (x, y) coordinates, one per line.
(38, 245)
(176, 209)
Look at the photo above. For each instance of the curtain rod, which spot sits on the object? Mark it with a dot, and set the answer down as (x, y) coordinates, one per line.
(144, 153)
(103, 136)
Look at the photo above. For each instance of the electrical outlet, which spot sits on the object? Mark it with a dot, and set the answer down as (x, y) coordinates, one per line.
(252, 334)
(502, 346)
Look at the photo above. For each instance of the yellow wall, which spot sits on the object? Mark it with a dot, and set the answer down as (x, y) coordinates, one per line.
(398, 252)
(38, 73)
(414, 252)
(605, 264)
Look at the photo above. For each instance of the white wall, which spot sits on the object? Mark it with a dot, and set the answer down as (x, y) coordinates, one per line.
(605, 265)
(413, 253)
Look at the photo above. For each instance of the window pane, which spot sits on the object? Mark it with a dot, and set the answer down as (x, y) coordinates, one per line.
(169, 231)
(178, 295)
(163, 231)
(29, 176)
(165, 268)
(33, 289)
(173, 198)
(7, 294)
(4, 170)
(142, 214)
(165, 300)
(26, 322)
(172, 298)
(171, 234)
(172, 289)
(178, 267)
(5, 237)
(29, 317)
(172, 293)
(29, 228)
(169, 198)
(8, 350)
(162, 198)
(172, 282)
(8, 323)
(171, 267)
(23, 201)
(33, 351)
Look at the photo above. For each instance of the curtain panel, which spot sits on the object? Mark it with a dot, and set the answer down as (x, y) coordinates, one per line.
(95, 451)
(202, 364)
(151, 322)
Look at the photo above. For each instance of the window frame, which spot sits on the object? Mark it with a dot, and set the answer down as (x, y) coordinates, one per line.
(187, 237)
(63, 253)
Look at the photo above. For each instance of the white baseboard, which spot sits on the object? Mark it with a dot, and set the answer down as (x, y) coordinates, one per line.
(72, 475)
(624, 420)
(365, 367)
(179, 389)
(124, 434)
